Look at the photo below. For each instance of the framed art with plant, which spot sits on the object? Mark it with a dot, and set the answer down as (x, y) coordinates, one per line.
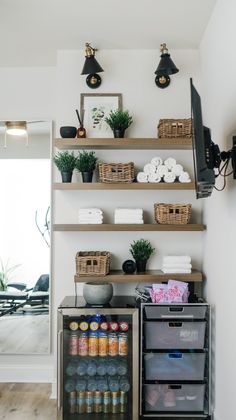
(96, 107)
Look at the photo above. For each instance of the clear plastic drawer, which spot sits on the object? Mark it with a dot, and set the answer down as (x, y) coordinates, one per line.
(174, 398)
(153, 311)
(174, 335)
(175, 366)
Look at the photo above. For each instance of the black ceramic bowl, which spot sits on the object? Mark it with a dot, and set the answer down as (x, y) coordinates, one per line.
(68, 132)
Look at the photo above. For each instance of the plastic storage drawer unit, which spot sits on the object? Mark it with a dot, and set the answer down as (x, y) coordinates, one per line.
(174, 398)
(174, 335)
(174, 366)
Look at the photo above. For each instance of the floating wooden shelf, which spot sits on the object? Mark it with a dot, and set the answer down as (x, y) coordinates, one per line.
(123, 186)
(154, 276)
(128, 227)
(125, 143)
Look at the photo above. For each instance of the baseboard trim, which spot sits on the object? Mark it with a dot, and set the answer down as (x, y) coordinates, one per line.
(27, 373)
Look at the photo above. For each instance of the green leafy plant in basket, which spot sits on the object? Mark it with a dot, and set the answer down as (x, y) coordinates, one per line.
(66, 163)
(118, 121)
(86, 164)
(141, 251)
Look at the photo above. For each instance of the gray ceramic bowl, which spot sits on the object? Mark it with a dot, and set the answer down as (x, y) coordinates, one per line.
(68, 132)
(97, 293)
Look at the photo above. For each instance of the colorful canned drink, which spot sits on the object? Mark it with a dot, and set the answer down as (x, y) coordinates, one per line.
(73, 344)
(72, 402)
(124, 326)
(93, 344)
(97, 402)
(102, 344)
(104, 326)
(89, 405)
(81, 403)
(83, 344)
(113, 345)
(123, 344)
(123, 401)
(114, 326)
(106, 408)
(73, 325)
(84, 326)
(115, 402)
(94, 325)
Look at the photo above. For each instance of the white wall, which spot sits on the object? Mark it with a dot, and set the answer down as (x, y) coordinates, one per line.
(27, 93)
(218, 91)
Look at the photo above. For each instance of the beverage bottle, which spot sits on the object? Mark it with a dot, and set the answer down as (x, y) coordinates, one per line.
(92, 368)
(71, 369)
(124, 384)
(70, 385)
(81, 384)
(92, 384)
(101, 368)
(114, 384)
(102, 384)
(111, 367)
(82, 368)
(122, 368)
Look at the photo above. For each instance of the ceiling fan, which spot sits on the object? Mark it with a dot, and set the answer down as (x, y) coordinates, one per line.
(16, 128)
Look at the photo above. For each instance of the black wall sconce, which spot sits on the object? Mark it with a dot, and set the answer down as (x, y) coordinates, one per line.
(165, 68)
(91, 67)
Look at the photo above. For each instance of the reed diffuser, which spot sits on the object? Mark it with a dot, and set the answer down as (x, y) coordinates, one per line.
(81, 132)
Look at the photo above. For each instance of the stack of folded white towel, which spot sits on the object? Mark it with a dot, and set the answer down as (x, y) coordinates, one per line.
(168, 171)
(90, 216)
(133, 216)
(177, 264)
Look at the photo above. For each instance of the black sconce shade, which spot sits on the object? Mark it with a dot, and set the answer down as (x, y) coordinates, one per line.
(91, 67)
(165, 68)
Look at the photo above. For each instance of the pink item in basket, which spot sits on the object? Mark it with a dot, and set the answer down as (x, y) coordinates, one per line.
(159, 293)
(177, 291)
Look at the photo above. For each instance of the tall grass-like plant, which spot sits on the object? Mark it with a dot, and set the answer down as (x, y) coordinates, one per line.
(6, 271)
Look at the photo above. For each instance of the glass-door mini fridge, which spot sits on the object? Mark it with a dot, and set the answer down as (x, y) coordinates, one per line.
(98, 360)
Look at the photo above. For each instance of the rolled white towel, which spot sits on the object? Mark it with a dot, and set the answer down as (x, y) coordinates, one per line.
(169, 177)
(177, 169)
(169, 259)
(142, 177)
(175, 271)
(177, 265)
(149, 168)
(154, 178)
(157, 161)
(184, 177)
(170, 162)
(90, 211)
(162, 170)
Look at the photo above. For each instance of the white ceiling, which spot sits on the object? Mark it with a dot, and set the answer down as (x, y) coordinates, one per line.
(31, 31)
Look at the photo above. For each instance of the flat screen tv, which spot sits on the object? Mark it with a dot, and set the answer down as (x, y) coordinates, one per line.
(202, 149)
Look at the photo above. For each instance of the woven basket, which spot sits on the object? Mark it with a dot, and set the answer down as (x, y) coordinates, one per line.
(172, 214)
(116, 172)
(175, 128)
(92, 263)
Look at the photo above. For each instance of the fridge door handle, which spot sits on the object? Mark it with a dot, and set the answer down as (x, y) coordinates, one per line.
(59, 368)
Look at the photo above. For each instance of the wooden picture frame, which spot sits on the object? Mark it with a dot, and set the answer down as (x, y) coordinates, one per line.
(94, 108)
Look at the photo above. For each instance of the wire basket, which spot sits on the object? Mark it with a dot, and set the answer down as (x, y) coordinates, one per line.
(172, 214)
(92, 263)
(116, 172)
(175, 128)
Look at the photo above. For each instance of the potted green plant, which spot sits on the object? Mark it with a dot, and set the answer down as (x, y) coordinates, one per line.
(141, 251)
(65, 162)
(86, 164)
(5, 274)
(118, 121)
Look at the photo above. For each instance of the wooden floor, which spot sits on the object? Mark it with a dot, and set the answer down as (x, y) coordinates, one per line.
(26, 402)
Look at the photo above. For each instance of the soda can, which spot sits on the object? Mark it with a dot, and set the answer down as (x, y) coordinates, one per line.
(72, 402)
(97, 402)
(123, 344)
(115, 402)
(81, 403)
(113, 345)
(102, 344)
(73, 344)
(123, 402)
(83, 344)
(89, 402)
(93, 344)
(106, 408)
